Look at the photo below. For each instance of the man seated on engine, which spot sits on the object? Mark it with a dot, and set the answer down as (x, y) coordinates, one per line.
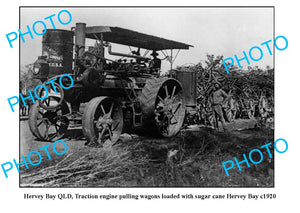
(155, 63)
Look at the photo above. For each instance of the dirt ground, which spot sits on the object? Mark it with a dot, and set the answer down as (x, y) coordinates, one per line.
(191, 159)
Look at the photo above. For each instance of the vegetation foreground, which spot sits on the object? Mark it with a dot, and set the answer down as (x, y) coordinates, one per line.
(191, 159)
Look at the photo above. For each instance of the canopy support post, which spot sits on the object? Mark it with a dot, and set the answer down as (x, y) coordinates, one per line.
(171, 60)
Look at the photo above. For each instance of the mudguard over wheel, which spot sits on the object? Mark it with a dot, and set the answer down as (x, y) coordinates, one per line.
(49, 125)
(102, 120)
(58, 93)
(162, 106)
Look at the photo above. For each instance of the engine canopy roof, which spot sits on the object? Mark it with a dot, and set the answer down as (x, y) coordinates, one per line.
(132, 38)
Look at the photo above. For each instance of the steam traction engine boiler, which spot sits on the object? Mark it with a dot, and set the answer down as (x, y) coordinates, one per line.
(116, 95)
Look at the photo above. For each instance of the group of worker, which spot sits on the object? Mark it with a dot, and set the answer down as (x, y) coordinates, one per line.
(154, 64)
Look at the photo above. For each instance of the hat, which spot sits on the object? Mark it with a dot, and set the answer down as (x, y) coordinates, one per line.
(154, 53)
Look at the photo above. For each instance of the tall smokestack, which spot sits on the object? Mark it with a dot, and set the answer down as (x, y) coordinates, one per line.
(80, 38)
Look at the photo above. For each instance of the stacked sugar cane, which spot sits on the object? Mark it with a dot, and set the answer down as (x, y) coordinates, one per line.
(251, 91)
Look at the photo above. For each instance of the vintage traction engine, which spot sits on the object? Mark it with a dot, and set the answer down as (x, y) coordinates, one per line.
(108, 96)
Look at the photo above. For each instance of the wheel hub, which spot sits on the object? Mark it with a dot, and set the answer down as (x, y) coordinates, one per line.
(51, 116)
(104, 121)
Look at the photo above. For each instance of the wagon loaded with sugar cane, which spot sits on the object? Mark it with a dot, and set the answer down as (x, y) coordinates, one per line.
(204, 86)
(123, 93)
(251, 93)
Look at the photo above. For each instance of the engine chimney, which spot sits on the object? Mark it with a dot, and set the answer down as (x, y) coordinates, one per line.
(80, 38)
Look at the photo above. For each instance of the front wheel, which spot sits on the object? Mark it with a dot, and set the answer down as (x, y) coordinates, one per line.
(49, 125)
(102, 120)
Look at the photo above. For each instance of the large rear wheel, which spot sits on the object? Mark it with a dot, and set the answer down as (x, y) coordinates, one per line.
(162, 105)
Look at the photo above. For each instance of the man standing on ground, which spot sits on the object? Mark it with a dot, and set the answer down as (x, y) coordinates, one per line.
(219, 97)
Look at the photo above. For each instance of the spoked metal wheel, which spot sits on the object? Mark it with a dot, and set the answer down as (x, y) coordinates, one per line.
(169, 111)
(102, 120)
(49, 125)
(162, 105)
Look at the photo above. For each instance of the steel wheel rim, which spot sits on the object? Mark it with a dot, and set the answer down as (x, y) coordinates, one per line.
(169, 110)
(108, 123)
(51, 124)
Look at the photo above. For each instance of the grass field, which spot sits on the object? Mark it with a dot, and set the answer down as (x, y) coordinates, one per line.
(191, 159)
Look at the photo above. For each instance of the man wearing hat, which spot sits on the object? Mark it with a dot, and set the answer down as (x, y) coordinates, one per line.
(155, 63)
(219, 97)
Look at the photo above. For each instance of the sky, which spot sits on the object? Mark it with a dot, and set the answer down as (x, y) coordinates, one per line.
(219, 31)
